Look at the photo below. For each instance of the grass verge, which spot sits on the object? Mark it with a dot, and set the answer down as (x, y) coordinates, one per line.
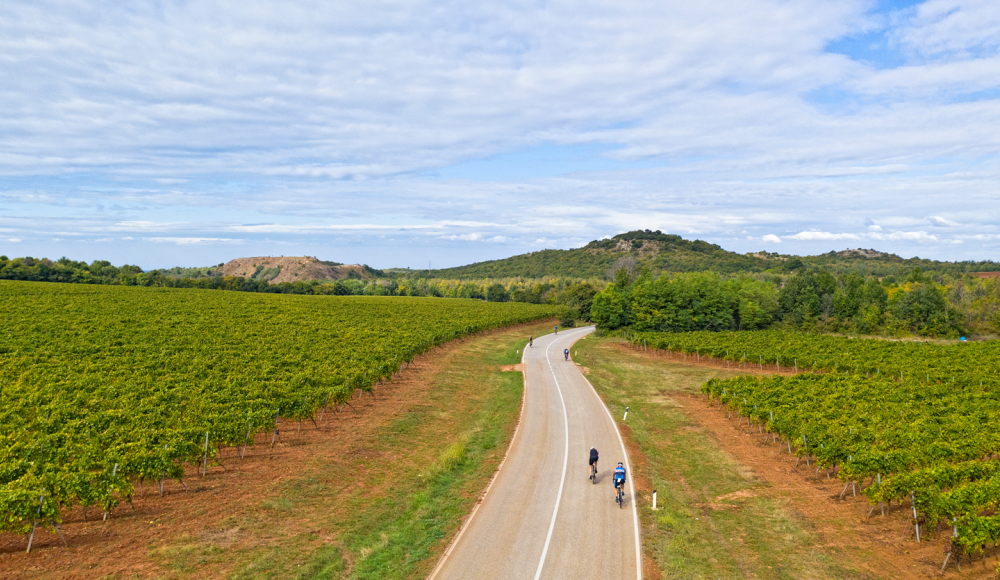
(716, 519)
(386, 506)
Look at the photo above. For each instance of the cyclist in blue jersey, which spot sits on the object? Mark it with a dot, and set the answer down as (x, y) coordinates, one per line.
(619, 479)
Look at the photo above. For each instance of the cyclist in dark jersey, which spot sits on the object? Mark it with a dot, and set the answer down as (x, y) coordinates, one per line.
(593, 460)
(566, 354)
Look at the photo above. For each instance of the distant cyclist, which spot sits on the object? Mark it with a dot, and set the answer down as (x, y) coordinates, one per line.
(531, 341)
(593, 462)
(619, 479)
(566, 354)
(557, 329)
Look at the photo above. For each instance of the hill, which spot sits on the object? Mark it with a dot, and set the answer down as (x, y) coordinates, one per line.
(292, 269)
(671, 253)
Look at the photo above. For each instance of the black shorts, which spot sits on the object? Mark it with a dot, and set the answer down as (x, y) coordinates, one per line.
(619, 483)
(593, 460)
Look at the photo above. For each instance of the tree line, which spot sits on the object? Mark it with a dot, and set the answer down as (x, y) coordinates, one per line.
(575, 295)
(810, 299)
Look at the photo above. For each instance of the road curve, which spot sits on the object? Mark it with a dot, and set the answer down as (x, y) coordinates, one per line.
(541, 517)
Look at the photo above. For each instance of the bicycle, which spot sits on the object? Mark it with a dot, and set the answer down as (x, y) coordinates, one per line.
(593, 472)
(620, 496)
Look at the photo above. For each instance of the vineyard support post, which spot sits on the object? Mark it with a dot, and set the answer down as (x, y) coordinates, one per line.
(946, 558)
(58, 529)
(114, 472)
(325, 401)
(275, 432)
(245, 441)
(34, 524)
(204, 463)
(881, 504)
(163, 476)
(916, 522)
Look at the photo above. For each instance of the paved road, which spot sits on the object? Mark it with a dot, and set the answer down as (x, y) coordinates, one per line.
(542, 518)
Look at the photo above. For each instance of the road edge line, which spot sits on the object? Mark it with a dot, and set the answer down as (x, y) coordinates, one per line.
(631, 484)
(482, 498)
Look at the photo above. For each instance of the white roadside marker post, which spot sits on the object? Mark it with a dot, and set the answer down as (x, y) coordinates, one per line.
(626, 414)
(654, 500)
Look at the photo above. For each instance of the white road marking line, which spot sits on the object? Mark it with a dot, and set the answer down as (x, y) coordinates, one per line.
(631, 486)
(562, 482)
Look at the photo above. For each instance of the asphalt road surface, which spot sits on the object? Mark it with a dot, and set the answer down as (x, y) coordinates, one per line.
(542, 518)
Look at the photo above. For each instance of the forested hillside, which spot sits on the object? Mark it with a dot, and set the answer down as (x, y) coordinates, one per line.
(810, 300)
(661, 252)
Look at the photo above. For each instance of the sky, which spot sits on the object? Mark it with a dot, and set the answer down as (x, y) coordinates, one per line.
(408, 134)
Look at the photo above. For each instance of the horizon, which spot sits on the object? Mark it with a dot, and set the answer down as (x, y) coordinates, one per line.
(215, 264)
(163, 135)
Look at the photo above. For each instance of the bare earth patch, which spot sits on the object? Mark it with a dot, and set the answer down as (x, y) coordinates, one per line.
(519, 368)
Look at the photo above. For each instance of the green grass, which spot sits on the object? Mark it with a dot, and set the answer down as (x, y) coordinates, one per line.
(716, 520)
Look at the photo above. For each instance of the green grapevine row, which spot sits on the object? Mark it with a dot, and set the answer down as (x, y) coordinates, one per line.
(916, 420)
(964, 364)
(104, 386)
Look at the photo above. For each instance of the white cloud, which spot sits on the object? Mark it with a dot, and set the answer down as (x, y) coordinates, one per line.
(953, 26)
(920, 236)
(941, 222)
(321, 125)
(827, 236)
(194, 241)
(14, 240)
(318, 229)
(472, 237)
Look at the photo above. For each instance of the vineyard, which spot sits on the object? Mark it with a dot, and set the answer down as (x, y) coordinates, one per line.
(103, 388)
(914, 423)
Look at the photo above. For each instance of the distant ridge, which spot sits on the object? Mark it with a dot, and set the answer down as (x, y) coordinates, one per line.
(291, 269)
(662, 252)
